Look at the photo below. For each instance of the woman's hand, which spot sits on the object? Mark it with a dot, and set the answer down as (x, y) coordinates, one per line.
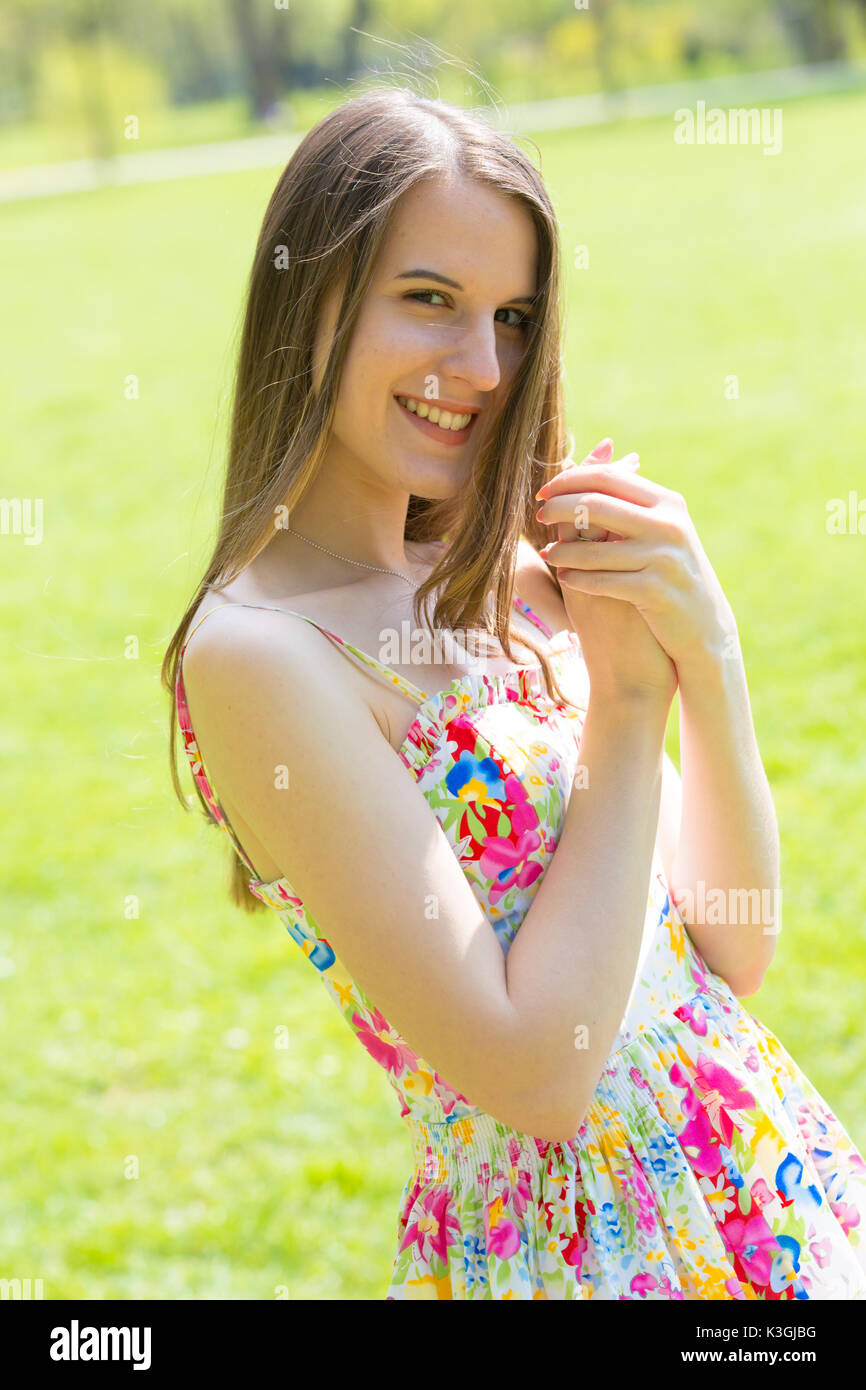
(654, 561)
(622, 656)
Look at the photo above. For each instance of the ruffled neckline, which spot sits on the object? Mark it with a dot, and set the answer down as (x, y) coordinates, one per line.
(478, 690)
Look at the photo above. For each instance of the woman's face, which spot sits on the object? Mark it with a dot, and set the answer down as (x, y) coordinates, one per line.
(440, 327)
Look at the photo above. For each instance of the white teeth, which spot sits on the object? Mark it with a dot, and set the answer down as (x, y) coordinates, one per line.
(445, 419)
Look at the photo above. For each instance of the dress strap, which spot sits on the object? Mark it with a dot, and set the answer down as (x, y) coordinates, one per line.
(412, 691)
(192, 750)
(533, 617)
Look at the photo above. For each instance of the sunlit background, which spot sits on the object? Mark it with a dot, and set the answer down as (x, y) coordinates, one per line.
(158, 1142)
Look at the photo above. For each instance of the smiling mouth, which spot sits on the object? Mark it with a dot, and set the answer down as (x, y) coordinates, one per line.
(452, 425)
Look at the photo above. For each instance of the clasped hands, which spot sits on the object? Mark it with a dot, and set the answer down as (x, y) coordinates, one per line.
(641, 547)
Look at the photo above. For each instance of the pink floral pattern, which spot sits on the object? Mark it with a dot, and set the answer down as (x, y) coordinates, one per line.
(707, 1166)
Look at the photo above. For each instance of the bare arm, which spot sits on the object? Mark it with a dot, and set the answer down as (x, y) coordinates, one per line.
(574, 958)
(729, 837)
(360, 845)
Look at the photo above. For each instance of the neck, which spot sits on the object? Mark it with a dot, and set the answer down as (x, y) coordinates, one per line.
(356, 518)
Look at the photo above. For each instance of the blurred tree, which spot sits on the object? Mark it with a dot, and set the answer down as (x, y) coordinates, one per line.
(358, 19)
(87, 27)
(263, 34)
(40, 24)
(816, 28)
(571, 43)
(131, 92)
(602, 19)
(193, 55)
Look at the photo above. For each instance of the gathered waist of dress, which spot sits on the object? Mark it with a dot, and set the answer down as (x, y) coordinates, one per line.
(451, 1149)
(459, 1145)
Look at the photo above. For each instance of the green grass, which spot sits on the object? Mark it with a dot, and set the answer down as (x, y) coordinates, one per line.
(261, 1168)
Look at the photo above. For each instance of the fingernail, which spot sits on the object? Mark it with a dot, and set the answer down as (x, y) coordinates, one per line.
(602, 448)
(631, 460)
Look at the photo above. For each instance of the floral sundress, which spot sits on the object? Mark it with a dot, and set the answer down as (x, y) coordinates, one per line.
(707, 1166)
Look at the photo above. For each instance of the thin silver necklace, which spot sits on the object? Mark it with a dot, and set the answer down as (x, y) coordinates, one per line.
(362, 563)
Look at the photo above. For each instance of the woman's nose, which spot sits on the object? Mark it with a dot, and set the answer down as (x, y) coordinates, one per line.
(476, 358)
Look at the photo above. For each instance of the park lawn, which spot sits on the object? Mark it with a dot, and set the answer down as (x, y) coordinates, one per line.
(159, 1141)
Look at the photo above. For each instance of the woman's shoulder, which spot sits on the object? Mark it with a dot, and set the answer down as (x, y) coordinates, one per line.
(244, 659)
(246, 624)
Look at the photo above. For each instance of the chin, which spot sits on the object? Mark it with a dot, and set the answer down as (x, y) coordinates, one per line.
(434, 479)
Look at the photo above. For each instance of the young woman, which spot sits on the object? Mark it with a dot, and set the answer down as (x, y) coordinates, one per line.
(476, 842)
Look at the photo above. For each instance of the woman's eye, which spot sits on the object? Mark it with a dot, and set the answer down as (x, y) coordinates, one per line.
(520, 320)
(419, 296)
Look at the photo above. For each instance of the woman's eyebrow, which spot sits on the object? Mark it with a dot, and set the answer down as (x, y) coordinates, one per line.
(422, 274)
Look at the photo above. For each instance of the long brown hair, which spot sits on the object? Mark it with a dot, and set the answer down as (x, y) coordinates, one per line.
(323, 228)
